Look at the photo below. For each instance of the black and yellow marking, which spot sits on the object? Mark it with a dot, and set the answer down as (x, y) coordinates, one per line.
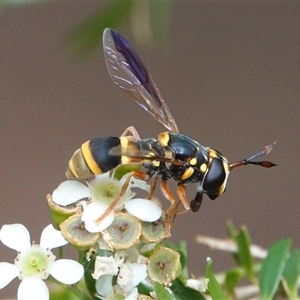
(164, 139)
(203, 168)
(193, 161)
(156, 163)
(89, 158)
(187, 173)
(93, 158)
(212, 153)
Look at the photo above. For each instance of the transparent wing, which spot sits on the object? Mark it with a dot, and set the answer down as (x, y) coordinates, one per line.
(129, 73)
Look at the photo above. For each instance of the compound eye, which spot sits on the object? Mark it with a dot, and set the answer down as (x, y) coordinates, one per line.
(215, 175)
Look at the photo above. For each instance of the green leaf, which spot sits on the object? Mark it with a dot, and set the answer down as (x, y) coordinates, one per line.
(291, 274)
(272, 268)
(231, 231)
(182, 292)
(145, 288)
(86, 36)
(214, 287)
(244, 254)
(232, 279)
(162, 292)
(90, 282)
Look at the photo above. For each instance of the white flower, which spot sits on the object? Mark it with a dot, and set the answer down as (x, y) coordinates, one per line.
(35, 262)
(130, 274)
(104, 286)
(105, 266)
(198, 285)
(103, 191)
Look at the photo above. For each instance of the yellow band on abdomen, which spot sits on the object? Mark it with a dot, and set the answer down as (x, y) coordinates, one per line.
(89, 158)
(72, 168)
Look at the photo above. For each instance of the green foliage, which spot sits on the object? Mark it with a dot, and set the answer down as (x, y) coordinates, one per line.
(291, 274)
(86, 36)
(162, 292)
(232, 279)
(180, 291)
(272, 268)
(244, 254)
(278, 274)
(177, 291)
(89, 280)
(214, 288)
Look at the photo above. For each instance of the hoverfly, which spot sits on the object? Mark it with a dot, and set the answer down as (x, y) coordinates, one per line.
(172, 155)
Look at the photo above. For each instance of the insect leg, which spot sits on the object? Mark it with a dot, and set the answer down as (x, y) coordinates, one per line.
(166, 192)
(182, 197)
(171, 214)
(173, 209)
(152, 189)
(137, 174)
(132, 132)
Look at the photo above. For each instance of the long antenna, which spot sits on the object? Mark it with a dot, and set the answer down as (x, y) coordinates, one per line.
(248, 161)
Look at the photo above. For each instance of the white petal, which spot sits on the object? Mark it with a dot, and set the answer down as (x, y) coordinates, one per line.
(52, 238)
(125, 275)
(104, 285)
(139, 274)
(33, 289)
(120, 256)
(145, 210)
(7, 273)
(103, 245)
(141, 184)
(124, 178)
(139, 271)
(198, 285)
(69, 192)
(93, 212)
(132, 295)
(15, 236)
(102, 176)
(105, 266)
(67, 271)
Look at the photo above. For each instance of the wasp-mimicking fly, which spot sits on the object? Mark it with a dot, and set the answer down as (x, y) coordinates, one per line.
(172, 155)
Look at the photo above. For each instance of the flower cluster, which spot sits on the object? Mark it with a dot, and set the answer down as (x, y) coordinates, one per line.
(119, 273)
(121, 230)
(119, 238)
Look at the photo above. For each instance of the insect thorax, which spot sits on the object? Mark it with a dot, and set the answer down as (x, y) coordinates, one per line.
(182, 159)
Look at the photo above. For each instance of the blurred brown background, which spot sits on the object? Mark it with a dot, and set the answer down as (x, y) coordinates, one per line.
(231, 78)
